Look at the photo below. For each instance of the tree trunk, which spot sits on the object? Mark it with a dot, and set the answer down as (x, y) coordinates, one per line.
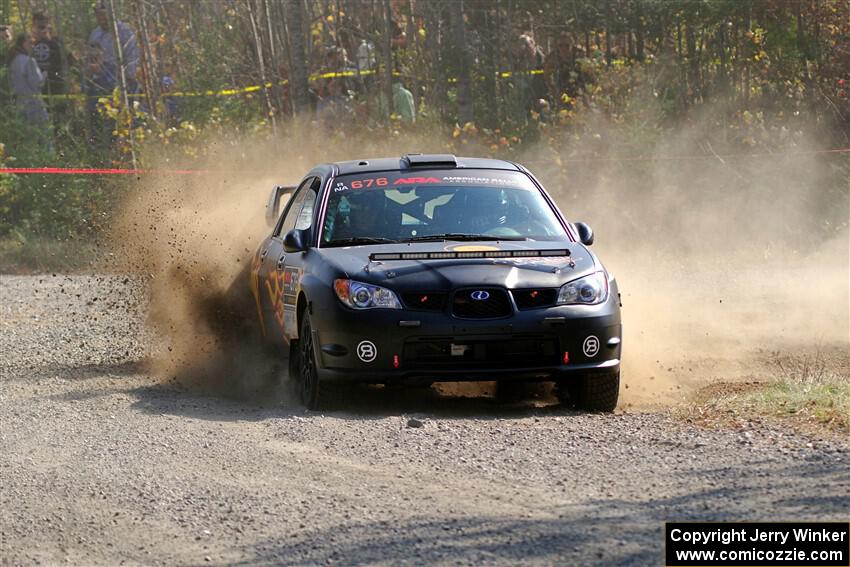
(722, 80)
(151, 72)
(609, 16)
(298, 76)
(640, 37)
(801, 38)
(273, 74)
(748, 51)
(413, 39)
(122, 76)
(258, 47)
(461, 53)
(490, 66)
(693, 61)
(388, 59)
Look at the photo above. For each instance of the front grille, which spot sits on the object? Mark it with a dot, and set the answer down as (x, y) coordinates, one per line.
(424, 300)
(510, 352)
(534, 298)
(491, 302)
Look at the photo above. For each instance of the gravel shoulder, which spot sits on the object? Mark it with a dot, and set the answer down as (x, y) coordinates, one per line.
(103, 464)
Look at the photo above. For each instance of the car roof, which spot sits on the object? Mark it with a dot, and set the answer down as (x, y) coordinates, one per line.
(413, 162)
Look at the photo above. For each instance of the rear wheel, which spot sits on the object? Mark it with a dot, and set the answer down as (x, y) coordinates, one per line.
(591, 392)
(314, 393)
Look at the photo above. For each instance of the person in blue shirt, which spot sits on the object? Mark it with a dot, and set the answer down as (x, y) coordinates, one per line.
(102, 35)
(100, 81)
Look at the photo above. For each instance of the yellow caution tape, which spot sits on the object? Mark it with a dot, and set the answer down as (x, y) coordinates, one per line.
(255, 88)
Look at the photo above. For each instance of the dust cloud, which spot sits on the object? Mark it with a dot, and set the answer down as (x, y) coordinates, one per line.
(191, 239)
(721, 262)
(724, 263)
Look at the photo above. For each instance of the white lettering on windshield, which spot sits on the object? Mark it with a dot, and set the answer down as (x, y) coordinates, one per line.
(484, 180)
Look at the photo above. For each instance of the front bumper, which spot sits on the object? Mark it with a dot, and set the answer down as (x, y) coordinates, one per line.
(390, 346)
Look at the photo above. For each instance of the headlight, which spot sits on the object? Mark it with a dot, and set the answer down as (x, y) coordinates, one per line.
(588, 290)
(358, 295)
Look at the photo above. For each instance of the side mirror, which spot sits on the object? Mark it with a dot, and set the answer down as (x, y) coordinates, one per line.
(585, 233)
(273, 206)
(296, 240)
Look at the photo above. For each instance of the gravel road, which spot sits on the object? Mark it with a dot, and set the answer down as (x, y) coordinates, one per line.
(102, 463)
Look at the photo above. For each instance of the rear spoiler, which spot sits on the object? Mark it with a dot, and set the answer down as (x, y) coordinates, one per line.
(273, 206)
(382, 256)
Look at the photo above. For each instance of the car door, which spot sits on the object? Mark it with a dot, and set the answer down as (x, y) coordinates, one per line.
(290, 266)
(272, 276)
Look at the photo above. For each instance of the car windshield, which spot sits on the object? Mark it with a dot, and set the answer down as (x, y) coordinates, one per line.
(437, 205)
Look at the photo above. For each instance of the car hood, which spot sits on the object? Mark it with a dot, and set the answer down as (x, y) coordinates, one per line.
(444, 274)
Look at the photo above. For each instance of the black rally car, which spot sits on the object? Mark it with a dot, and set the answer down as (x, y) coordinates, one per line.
(435, 268)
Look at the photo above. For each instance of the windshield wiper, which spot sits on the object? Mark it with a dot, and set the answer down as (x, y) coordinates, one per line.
(357, 240)
(459, 236)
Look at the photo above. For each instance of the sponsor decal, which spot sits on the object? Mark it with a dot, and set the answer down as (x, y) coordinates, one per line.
(472, 248)
(415, 180)
(366, 351)
(282, 287)
(590, 346)
(459, 350)
(477, 180)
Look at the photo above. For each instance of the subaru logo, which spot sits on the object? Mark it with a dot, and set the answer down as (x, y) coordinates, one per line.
(480, 295)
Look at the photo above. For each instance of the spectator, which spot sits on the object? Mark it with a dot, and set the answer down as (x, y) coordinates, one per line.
(50, 56)
(100, 82)
(103, 36)
(5, 45)
(27, 80)
(560, 67)
(403, 104)
(336, 61)
(528, 74)
(397, 22)
(172, 106)
(334, 108)
(365, 56)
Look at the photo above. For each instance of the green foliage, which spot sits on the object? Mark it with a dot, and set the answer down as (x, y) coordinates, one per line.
(775, 70)
(47, 206)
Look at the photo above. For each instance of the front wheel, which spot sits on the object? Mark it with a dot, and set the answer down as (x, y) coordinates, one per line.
(591, 392)
(314, 393)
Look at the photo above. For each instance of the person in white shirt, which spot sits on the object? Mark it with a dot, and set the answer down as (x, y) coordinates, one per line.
(27, 80)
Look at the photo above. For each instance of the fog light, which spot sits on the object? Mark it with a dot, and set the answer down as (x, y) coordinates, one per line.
(566, 357)
(396, 362)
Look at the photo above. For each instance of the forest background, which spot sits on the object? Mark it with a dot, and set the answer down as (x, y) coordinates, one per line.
(582, 90)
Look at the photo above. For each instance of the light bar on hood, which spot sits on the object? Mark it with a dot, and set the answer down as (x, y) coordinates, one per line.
(442, 255)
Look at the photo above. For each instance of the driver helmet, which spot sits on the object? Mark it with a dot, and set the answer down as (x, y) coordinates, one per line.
(366, 209)
(490, 210)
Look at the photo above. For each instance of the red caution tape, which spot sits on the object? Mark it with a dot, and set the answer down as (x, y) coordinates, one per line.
(97, 171)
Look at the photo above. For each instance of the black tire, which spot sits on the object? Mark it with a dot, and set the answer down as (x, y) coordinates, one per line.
(314, 393)
(591, 392)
